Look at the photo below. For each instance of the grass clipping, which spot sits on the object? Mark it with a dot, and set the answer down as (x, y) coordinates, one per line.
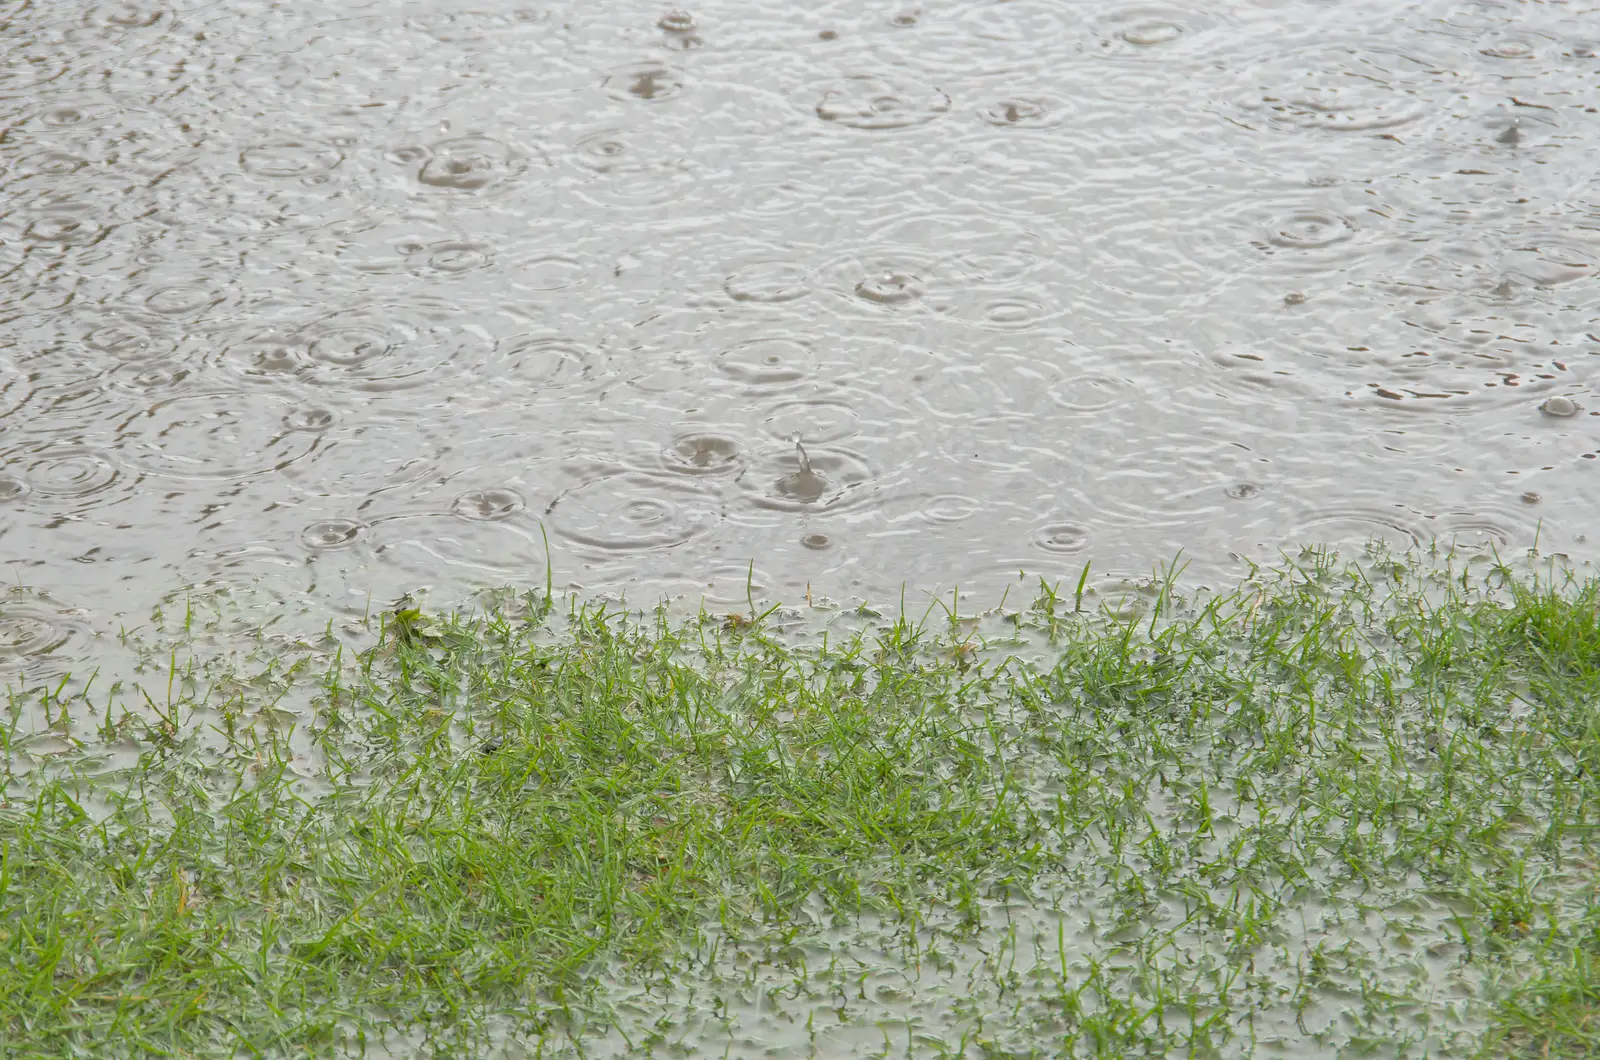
(1338, 809)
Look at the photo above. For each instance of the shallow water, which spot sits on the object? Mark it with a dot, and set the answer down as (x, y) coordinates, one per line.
(343, 301)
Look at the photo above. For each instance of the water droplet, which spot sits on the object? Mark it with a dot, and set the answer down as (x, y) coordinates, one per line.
(1243, 491)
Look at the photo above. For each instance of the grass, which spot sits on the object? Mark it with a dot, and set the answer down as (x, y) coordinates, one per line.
(1336, 810)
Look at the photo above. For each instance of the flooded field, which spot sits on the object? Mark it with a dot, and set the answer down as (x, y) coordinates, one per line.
(344, 301)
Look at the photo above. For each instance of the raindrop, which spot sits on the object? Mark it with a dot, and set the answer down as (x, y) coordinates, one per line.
(331, 534)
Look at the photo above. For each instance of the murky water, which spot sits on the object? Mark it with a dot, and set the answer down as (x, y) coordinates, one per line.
(350, 299)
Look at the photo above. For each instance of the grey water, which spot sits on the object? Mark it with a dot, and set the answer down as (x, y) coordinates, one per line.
(336, 302)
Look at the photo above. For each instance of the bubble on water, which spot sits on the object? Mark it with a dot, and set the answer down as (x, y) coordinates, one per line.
(816, 542)
(289, 159)
(768, 362)
(489, 504)
(1061, 538)
(634, 512)
(701, 453)
(332, 534)
(468, 163)
(881, 103)
(213, 437)
(1309, 230)
(650, 82)
(768, 282)
(1560, 407)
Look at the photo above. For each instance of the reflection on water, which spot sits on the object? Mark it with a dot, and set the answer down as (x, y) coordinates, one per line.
(368, 298)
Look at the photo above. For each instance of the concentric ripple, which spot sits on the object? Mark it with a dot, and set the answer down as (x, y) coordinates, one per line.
(468, 163)
(63, 471)
(767, 362)
(791, 479)
(872, 102)
(330, 535)
(213, 437)
(488, 505)
(289, 159)
(1342, 89)
(703, 453)
(634, 512)
(646, 82)
(372, 349)
(32, 628)
(545, 362)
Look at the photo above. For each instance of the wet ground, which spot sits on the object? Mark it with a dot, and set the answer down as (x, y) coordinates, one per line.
(347, 300)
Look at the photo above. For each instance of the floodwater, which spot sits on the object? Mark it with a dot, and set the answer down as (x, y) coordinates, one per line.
(349, 299)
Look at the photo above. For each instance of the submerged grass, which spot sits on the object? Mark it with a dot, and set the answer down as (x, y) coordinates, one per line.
(1341, 809)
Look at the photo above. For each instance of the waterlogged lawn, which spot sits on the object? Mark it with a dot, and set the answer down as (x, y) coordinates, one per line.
(1337, 810)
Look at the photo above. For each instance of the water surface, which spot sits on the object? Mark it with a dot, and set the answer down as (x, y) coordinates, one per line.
(348, 300)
